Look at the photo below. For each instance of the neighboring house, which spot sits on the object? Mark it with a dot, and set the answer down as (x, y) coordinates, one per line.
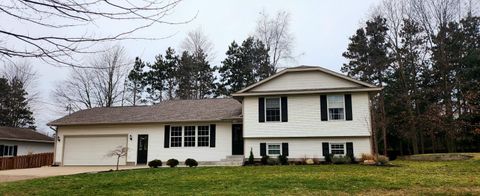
(23, 141)
(300, 112)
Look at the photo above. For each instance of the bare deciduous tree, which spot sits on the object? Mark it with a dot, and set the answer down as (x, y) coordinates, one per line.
(25, 73)
(100, 86)
(196, 42)
(274, 32)
(55, 22)
(118, 153)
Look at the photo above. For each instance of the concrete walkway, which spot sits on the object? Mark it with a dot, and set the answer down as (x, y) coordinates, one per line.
(41, 172)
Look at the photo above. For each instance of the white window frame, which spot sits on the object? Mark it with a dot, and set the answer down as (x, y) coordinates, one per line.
(9, 147)
(268, 147)
(194, 136)
(265, 108)
(207, 136)
(172, 136)
(344, 148)
(328, 108)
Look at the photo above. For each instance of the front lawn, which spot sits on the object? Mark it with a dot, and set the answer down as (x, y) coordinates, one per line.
(408, 177)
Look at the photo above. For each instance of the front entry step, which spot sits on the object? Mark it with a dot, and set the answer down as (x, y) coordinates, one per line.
(233, 160)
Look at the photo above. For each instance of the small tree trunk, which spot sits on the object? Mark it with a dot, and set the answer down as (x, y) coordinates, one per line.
(118, 161)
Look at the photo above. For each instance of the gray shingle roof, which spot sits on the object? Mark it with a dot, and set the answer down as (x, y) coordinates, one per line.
(167, 111)
(22, 134)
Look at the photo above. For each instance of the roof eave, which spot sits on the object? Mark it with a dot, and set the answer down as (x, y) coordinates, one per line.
(375, 89)
(139, 122)
(27, 140)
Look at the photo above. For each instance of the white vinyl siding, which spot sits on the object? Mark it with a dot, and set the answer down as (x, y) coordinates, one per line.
(304, 119)
(299, 148)
(155, 132)
(304, 80)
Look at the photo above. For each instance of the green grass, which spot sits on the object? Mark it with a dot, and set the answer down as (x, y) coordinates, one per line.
(407, 177)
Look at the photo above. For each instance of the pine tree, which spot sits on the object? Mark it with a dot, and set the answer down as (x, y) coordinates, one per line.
(155, 80)
(369, 61)
(171, 68)
(186, 77)
(244, 65)
(136, 81)
(14, 105)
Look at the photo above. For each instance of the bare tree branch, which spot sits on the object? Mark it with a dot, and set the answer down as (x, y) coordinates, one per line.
(65, 17)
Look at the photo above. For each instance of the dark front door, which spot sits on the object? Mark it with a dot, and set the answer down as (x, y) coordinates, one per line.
(237, 139)
(142, 149)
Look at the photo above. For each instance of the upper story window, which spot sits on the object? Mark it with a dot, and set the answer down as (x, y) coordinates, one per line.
(337, 148)
(189, 136)
(272, 109)
(176, 136)
(336, 105)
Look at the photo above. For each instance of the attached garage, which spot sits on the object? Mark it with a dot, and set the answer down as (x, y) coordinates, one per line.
(92, 150)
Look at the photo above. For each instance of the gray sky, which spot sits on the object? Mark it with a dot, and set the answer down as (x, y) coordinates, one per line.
(321, 30)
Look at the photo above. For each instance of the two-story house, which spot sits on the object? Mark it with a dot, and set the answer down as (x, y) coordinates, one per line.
(299, 112)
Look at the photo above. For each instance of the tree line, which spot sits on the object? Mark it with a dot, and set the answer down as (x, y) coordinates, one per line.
(427, 58)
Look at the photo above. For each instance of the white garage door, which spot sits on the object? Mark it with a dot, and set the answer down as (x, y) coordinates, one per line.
(92, 150)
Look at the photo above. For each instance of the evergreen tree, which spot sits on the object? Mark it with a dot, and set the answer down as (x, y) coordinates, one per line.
(244, 65)
(171, 68)
(369, 61)
(136, 81)
(186, 77)
(14, 108)
(155, 80)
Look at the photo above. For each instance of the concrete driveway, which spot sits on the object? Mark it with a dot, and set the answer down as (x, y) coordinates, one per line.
(41, 172)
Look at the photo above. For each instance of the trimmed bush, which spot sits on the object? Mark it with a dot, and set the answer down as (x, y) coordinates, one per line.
(340, 159)
(191, 163)
(328, 158)
(272, 161)
(382, 160)
(172, 162)
(155, 163)
(282, 159)
(251, 158)
(367, 157)
(264, 160)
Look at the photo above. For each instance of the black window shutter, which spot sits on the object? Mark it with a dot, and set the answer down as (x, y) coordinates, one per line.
(325, 148)
(284, 109)
(261, 109)
(212, 135)
(348, 107)
(1, 150)
(349, 149)
(285, 149)
(166, 141)
(15, 148)
(263, 149)
(323, 107)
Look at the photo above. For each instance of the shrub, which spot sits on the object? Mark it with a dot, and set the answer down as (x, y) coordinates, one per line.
(251, 159)
(328, 158)
(316, 161)
(282, 159)
(172, 162)
(272, 161)
(264, 160)
(155, 163)
(382, 160)
(191, 163)
(352, 158)
(340, 159)
(367, 157)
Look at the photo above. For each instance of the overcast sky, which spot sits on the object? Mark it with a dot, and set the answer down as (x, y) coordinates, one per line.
(321, 30)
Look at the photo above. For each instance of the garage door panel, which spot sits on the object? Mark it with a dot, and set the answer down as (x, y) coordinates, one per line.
(92, 150)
